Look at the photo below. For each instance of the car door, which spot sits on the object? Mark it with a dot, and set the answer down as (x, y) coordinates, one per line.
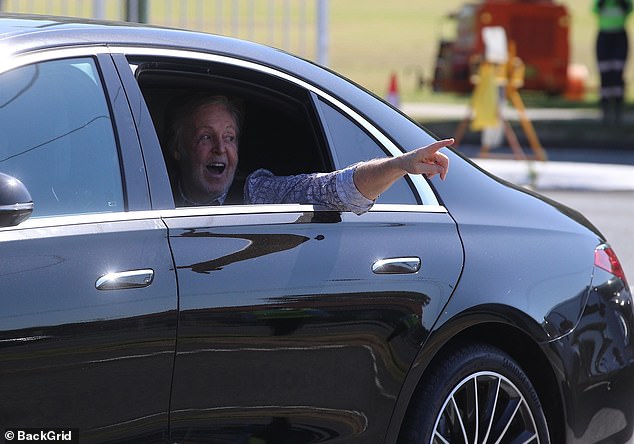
(286, 331)
(88, 291)
(296, 324)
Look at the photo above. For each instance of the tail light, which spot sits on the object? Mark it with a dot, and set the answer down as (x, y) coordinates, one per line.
(605, 258)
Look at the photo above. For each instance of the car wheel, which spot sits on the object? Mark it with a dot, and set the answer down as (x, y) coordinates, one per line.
(474, 394)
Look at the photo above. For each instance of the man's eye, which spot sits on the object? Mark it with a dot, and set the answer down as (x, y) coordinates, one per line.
(204, 138)
(230, 138)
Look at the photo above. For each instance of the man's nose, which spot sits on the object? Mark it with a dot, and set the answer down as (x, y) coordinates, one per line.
(217, 145)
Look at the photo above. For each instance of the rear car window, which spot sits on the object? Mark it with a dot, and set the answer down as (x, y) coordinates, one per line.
(351, 145)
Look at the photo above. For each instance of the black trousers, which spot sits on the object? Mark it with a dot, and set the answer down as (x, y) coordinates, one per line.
(612, 51)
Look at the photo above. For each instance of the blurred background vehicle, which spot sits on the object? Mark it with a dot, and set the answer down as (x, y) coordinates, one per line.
(538, 28)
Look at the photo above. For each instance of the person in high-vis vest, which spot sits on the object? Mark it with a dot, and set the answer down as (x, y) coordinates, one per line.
(612, 51)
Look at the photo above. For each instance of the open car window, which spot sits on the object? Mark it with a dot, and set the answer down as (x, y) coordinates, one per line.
(278, 128)
(283, 128)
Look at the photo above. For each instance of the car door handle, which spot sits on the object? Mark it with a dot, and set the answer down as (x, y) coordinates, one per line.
(125, 279)
(397, 265)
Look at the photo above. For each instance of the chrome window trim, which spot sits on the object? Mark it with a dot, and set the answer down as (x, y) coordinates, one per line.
(11, 62)
(264, 209)
(58, 226)
(407, 208)
(156, 216)
(16, 60)
(84, 219)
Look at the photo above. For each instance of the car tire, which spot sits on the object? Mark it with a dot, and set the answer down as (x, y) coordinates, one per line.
(475, 393)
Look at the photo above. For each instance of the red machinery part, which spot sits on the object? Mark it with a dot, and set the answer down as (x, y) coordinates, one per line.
(538, 28)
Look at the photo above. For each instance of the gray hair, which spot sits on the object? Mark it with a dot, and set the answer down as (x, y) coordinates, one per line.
(182, 114)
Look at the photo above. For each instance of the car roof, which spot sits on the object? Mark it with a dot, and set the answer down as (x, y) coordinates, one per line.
(21, 33)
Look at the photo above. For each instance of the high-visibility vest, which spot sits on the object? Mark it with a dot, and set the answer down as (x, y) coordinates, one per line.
(612, 17)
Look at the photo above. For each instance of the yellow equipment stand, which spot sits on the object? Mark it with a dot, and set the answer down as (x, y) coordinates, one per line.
(491, 82)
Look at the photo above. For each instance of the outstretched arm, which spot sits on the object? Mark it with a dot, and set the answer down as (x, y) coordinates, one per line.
(375, 176)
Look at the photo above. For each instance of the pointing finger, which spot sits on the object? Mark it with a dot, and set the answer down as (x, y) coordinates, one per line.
(435, 146)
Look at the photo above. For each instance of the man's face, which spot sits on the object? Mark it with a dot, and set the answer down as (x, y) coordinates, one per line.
(209, 155)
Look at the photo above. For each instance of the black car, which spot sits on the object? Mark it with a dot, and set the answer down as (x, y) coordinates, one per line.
(457, 311)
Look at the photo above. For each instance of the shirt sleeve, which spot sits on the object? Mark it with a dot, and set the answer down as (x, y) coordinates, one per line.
(333, 191)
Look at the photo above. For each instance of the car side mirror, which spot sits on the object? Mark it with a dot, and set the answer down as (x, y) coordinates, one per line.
(16, 204)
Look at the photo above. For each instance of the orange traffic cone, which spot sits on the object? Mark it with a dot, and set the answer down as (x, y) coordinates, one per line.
(392, 94)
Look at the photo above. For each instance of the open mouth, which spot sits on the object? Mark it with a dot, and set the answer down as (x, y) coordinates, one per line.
(216, 167)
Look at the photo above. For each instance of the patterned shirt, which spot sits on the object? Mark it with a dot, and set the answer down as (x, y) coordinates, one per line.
(329, 191)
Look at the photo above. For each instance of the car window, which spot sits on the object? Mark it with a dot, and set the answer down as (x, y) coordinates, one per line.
(282, 128)
(279, 128)
(56, 136)
(351, 145)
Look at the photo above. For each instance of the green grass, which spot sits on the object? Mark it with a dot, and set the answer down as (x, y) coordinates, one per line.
(372, 38)
(369, 39)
